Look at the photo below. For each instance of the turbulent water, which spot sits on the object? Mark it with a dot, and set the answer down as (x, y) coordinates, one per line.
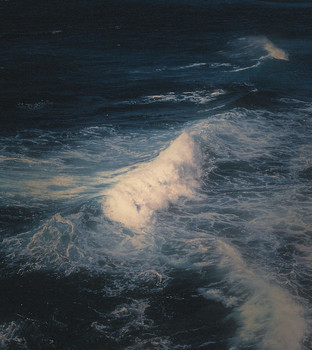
(155, 175)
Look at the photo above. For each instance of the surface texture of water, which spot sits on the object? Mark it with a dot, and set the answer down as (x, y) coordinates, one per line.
(155, 175)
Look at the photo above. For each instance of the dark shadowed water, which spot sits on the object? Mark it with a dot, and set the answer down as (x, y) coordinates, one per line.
(155, 175)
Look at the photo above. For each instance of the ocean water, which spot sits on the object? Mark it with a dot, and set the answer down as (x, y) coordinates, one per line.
(155, 175)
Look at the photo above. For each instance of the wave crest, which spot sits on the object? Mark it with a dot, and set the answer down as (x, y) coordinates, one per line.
(152, 186)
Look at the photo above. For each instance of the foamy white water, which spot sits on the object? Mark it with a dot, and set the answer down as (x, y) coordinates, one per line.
(252, 49)
(269, 314)
(273, 50)
(152, 186)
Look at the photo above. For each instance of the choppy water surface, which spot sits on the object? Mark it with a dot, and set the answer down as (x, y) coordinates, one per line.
(156, 167)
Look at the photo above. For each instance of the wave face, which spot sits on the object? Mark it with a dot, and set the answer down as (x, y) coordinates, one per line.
(155, 175)
(141, 192)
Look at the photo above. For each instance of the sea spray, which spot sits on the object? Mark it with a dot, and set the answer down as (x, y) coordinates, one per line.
(250, 49)
(152, 186)
(272, 50)
(269, 315)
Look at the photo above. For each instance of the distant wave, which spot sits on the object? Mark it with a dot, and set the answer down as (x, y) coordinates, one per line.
(187, 66)
(192, 65)
(250, 46)
(272, 50)
(197, 97)
(254, 48)
(245, 68)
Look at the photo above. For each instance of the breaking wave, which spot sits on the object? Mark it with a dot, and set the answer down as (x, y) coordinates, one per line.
(269, 312)
(254, 48)
(152, 186)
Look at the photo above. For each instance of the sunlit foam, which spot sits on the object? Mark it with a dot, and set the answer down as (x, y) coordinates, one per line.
(263, 42)
(272, 50)
(254, 48)
(152, 186)
(197, 96)
(269, 314)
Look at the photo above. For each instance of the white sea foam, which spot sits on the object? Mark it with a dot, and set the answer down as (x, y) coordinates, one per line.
(218, 65)
(273, 51)
(197, 96)
(192, 65)
(217, 295)
(249, 49)
(245, 68)
(152, 186)
(55, 243)
(253, 43)
(187, 66)
(55, 187)
(269, 314)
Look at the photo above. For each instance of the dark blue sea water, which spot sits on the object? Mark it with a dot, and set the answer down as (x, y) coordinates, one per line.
(156, 175)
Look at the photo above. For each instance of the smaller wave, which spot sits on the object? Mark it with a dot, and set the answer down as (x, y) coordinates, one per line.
(269, 312)
(253, 48)
(191, 65)
(251, 45)
(273, 51)
(197, 97)
(152, 186)
(218, 65)
(188, 66)
(245, 68)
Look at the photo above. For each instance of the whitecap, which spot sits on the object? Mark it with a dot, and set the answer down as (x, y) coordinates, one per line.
(152, 186)
(197, 96)
(258, 48)
(268, 314)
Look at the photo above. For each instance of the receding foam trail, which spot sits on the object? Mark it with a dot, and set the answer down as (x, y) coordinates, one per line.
(152, 186)
(269, 314)
(245, 68)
